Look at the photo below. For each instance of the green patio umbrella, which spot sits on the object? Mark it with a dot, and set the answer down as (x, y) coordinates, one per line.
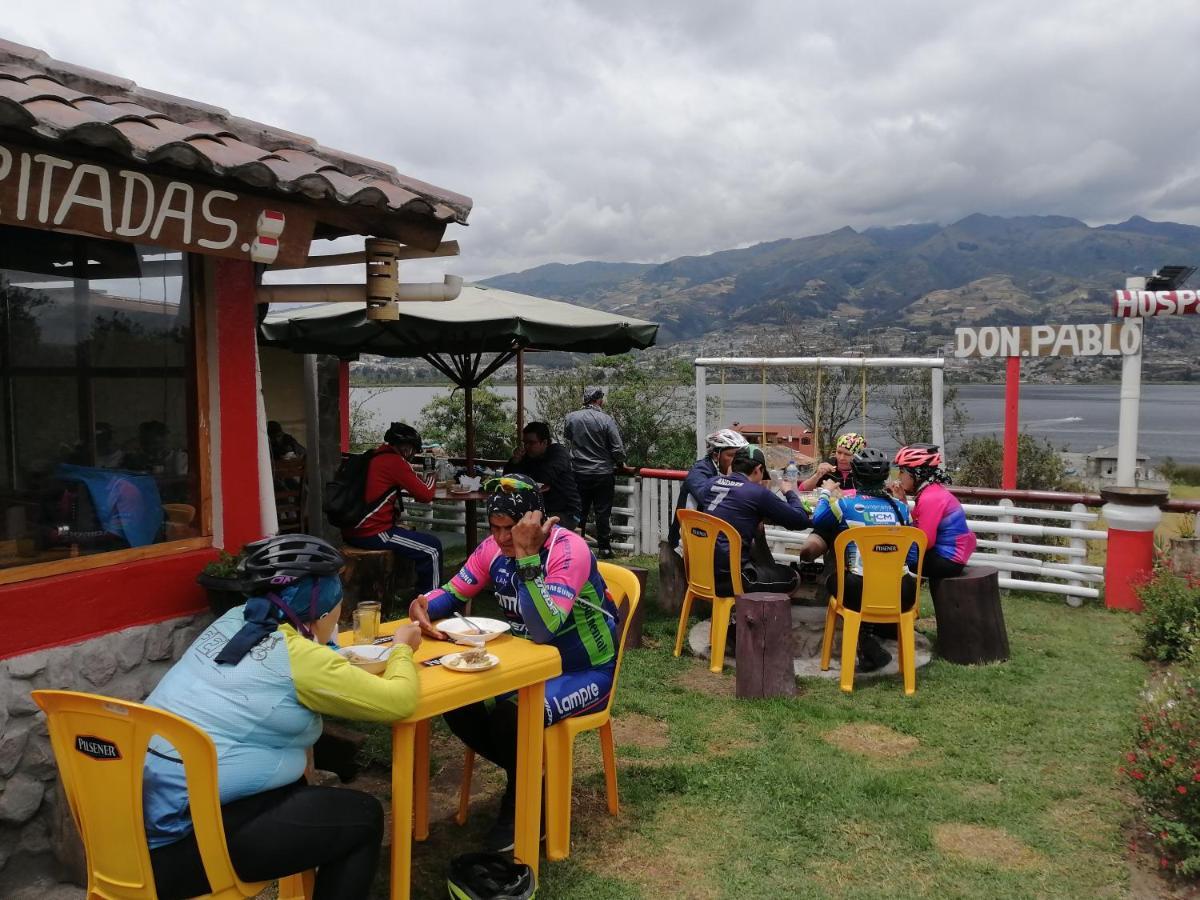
(467, 339)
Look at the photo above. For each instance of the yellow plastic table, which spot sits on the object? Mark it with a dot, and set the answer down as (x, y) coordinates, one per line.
(524, 667)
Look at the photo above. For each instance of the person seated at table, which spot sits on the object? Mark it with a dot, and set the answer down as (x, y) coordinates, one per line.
(389, 472)
(153, 452)
(936, 512)
(745, 502)
(721, 445)
(837, 467)
(282, 444)
(257, 681)
(550, 590)
(549, 464)
(871, 505)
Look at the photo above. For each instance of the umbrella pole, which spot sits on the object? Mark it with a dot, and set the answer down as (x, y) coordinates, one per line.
(520, 393)
(469, 415)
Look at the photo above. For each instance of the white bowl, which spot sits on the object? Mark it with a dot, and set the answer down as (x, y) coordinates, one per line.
(372, 658)
(462, 633)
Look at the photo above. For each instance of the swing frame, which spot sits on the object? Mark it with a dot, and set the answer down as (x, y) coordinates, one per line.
(936, 365)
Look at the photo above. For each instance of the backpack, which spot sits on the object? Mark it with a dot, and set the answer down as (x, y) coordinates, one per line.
(345, 503)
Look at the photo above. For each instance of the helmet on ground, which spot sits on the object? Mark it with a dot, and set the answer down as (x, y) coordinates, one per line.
(286, 558)
(870, 466)
(489, 876)
(725, 439)
(851, 442)
(402, 433)
(919, 456)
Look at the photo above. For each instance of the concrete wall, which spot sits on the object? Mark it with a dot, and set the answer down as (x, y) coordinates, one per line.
(38, 840)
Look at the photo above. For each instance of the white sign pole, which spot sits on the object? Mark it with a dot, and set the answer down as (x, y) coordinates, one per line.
(1131, 396)
(937, 410)
(701, 411)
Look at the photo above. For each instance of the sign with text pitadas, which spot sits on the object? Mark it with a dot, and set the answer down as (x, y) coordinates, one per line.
(1127, 304)
(1109, 339)
(42, 190)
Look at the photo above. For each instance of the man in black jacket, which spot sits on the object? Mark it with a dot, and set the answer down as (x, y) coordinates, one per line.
(549, 464)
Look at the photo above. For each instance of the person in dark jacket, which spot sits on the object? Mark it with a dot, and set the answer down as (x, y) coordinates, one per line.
(741, 499)
(596, 453)
(549, 464)
(721, 444)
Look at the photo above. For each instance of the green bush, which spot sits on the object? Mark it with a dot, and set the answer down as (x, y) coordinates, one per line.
(1164, 766)
(1170, 623)
(1179, 473)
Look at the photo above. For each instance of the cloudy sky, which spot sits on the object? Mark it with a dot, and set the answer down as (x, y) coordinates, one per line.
(638, 131)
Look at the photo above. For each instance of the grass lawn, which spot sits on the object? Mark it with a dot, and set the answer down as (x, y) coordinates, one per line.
(997, 781)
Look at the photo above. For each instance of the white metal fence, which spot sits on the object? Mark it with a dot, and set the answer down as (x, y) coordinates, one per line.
(1038, 549)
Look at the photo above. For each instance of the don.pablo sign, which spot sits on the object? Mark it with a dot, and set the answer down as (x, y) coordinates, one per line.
(1109, 339)
(43, 190)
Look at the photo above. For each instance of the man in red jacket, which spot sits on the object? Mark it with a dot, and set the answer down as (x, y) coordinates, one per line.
(388, 474)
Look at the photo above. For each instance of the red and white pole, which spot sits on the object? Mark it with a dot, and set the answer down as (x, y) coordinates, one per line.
(1130, 554)
(1012, 418)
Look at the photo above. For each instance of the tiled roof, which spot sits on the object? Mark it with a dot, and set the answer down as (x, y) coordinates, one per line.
(66, 103)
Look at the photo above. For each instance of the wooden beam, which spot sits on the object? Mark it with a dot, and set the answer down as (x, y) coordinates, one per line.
(359, 257)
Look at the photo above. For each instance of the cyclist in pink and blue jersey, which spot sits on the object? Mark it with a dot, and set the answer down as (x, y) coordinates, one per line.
(937, 512)
(550, 590)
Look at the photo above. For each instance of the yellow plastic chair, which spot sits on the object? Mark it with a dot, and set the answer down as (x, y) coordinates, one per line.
(625, 589)
(882, 550)
(100, 746)
(700, 532)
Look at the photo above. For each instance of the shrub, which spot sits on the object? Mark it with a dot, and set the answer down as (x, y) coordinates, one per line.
(1164, 766)
(1170, 623)
(224, 566)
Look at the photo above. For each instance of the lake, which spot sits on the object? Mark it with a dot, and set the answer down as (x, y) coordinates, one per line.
(1081, 417)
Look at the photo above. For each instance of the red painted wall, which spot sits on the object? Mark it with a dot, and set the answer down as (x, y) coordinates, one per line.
(64, 609)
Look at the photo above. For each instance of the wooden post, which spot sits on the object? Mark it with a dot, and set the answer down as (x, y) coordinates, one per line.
(672, 579)
(765, 667)
(970, 619)
(633, 637)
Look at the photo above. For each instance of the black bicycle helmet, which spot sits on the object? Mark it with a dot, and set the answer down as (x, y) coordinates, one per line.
(489, 876)
(870, 466)
(285, 558)
(402, 433)
(748, 454)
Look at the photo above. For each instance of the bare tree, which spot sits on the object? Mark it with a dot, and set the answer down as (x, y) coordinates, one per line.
(826, 399)
(909, 403)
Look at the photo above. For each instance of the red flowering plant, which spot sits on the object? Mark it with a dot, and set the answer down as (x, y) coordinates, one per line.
(1164, 767)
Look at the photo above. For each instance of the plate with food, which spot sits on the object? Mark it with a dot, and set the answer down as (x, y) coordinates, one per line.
(368, 657)
(472, 629)
(477, 659)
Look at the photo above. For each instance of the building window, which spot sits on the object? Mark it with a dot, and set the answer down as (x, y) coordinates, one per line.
(99, 448)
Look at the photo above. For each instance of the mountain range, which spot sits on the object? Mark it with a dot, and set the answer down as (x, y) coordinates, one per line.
(924, 278)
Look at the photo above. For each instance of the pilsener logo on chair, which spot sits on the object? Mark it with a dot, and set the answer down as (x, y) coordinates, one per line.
(885, 548)
(96, 748)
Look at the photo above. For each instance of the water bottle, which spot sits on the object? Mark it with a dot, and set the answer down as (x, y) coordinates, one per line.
(792, 472)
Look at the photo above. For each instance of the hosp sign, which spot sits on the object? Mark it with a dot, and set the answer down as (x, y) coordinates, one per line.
(1109, 339)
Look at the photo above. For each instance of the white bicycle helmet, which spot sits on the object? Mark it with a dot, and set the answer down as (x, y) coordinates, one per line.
(725, 439)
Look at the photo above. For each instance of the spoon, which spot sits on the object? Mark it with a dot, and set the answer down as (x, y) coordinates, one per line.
(478, 630)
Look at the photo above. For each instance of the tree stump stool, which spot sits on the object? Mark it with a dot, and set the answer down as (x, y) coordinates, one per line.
(633, 637)
(765, 667)
(368, 575)
(970, 619)
(672, 579)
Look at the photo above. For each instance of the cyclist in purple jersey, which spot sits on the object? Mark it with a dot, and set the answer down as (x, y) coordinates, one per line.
(551, 592)
(741, 499)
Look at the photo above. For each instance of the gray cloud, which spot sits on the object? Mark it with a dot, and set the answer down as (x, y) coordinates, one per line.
(633, 131)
